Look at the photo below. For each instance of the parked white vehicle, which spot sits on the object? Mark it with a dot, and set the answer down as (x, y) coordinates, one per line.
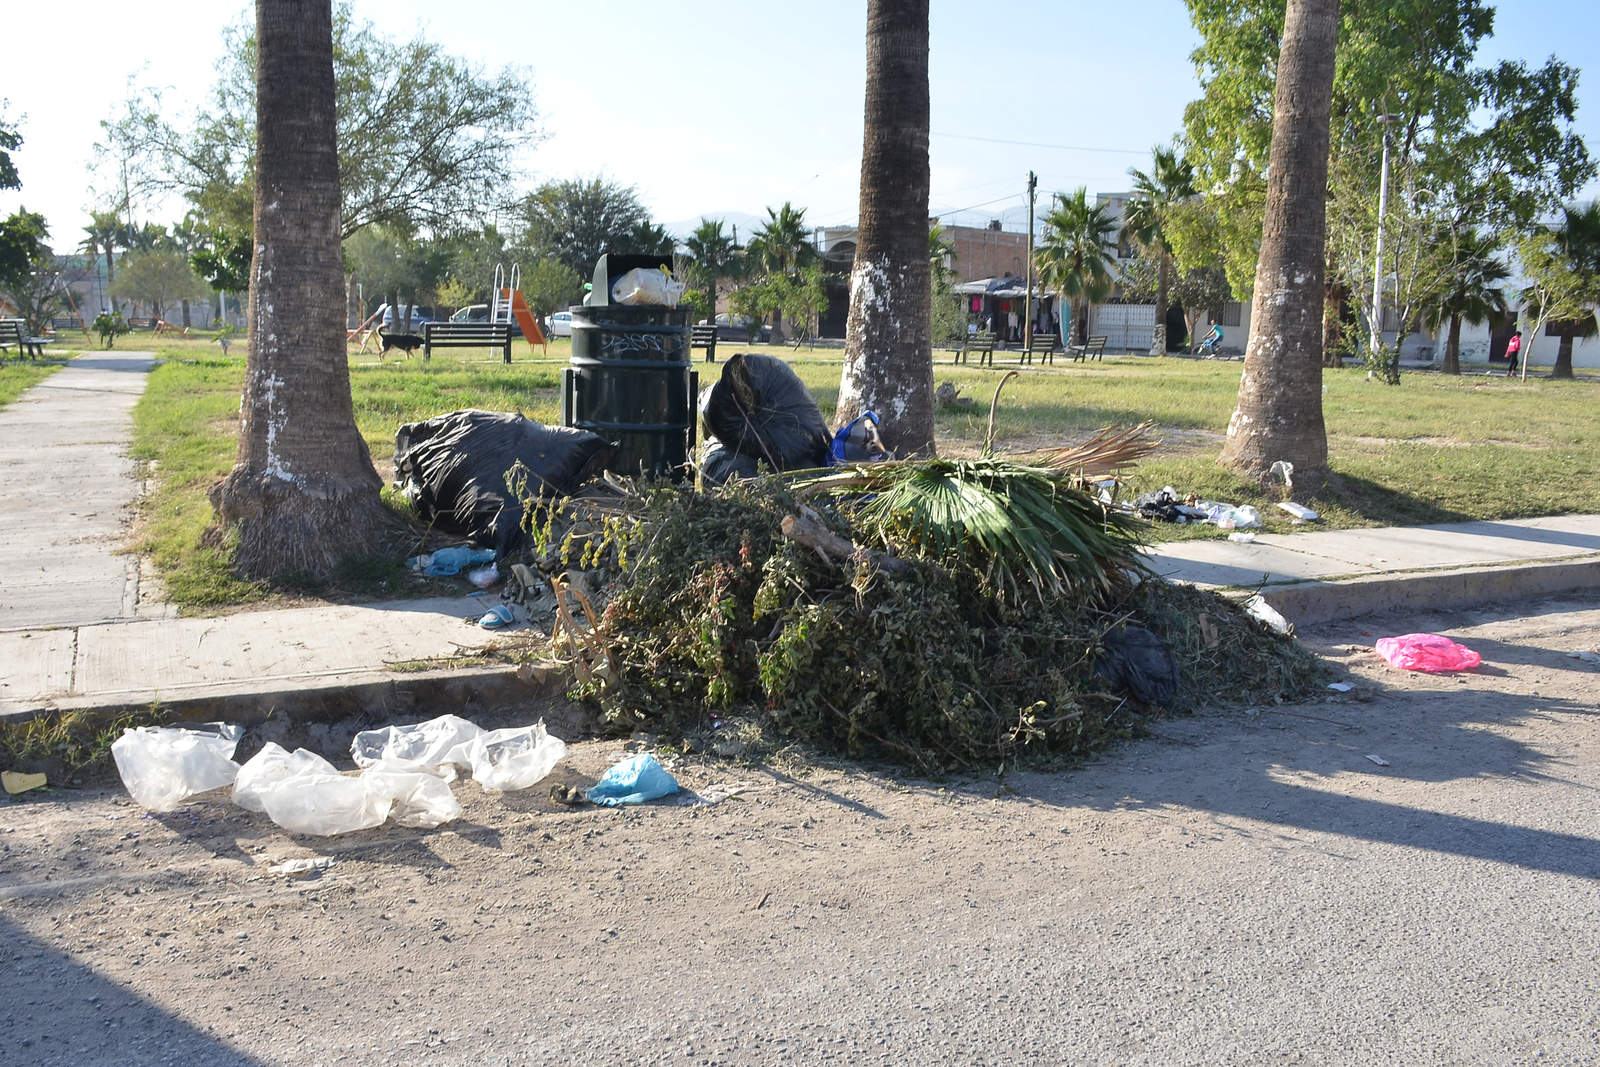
(558, 325)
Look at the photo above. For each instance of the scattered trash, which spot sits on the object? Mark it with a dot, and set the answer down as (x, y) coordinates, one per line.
(858, 441)
(1242, 537)
(270, 766)
(162, 766)
(20, 782)
(305, 794)
(652, 285)
(1285, 470)
(1340, 687)
(453, 469)
(1426, 652)
(496, 617)
(448, 562)
(301, 868)
(1260, 609)
(634, 780)
(1586, 656)
(1300, 512)
(484, 576)
(569, 795)
(1229, 517)
(1379, 760)
(501, 760)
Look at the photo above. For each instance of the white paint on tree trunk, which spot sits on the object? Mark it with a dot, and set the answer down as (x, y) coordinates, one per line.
(275, 419)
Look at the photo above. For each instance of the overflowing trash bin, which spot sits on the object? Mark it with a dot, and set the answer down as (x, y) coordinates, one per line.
(631, 380)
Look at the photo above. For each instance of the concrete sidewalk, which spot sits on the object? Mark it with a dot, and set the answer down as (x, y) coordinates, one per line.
(326, 659)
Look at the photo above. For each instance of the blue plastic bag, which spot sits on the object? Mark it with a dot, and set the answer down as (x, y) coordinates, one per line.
(858, 441)
(633, 781)
(449, 561)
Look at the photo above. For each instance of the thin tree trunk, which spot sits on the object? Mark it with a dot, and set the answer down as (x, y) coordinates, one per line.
(1279, 413)
(1452, 347)
(303, 494)
(888, 364)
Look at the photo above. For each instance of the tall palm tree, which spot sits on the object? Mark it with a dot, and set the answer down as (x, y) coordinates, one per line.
(1169, 183)
(1279, 412)
(303, 493)
(1578, 240)
(713, 255)
(102, 237)
(783, 243)
(1474, 297)
(888, 353)
(1075, 252)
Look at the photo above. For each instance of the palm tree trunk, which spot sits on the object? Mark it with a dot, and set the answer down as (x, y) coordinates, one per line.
(888, 364)
(1158, 342)
(303, 493)
(1279, 413)
(1563, 367)
(1452, 347)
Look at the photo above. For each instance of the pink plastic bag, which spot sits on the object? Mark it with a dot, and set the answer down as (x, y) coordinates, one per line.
(1427, 652)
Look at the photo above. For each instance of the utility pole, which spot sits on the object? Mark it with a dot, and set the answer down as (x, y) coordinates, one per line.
(1027, 300)
(1375, 340)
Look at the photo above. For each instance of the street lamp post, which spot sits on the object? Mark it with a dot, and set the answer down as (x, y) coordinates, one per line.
(1375, 341)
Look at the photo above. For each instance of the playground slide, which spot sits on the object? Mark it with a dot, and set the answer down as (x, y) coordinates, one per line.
(525, 319)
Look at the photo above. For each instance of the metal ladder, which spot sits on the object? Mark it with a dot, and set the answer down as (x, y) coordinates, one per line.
(500, 304)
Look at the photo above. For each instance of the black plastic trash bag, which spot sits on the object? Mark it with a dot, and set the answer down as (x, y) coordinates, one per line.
(719, 465)
(453, 468)
(760, 408)
(1136, 661)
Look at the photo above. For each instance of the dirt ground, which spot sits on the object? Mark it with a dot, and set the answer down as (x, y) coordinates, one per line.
(1244, 886)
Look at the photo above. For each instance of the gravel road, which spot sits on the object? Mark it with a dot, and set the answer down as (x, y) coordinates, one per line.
(1242, 887)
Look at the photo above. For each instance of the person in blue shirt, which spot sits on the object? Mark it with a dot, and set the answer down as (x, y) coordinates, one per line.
(1209, 343)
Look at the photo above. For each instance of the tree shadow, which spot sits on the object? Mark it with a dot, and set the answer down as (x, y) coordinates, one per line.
(1384, 504)
(61, 1011)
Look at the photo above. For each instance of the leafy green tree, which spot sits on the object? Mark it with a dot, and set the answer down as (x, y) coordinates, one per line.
(778, 254)
(425, 139)
(1279, 410)
(797, 296)
(949, 317)
(712, 259)
(549, 285)
(1476, 293)
(574, 221)
(157, 278)
(1577, 243)
(10, 141)
(25, 259)
(1075, 254)
(1156, 195)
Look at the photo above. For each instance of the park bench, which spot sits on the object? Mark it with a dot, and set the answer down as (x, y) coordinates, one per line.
(704, 337)
(981, 343)
(14, 332)
(141, 324)
(1093, 348)
(1045, 347)
(466, 335)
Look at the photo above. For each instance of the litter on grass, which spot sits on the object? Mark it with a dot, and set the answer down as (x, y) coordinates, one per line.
(1300, 512)
(1426, 652)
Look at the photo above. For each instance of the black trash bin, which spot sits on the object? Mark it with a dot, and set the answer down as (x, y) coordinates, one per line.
(631, 379)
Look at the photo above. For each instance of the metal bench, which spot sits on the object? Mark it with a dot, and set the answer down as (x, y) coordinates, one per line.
(704, 337)
(1045, 347)
(14, 333)
(1093, 348)
(466, 335)
(981, 343)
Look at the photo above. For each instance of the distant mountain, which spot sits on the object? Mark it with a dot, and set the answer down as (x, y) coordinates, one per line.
(747, 223)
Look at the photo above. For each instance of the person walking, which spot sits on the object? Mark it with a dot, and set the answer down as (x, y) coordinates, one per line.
(1513, 351)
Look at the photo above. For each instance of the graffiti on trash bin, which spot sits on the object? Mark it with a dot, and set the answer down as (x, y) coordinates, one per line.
(639, 342)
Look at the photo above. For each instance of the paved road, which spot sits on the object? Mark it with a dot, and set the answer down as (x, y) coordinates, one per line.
(1237, 889)
(65, 493)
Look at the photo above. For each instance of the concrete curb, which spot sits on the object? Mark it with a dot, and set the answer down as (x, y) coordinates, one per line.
(1313, 602)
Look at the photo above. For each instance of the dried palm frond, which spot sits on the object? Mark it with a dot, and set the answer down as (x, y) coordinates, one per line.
(1105, 453)
(1032, 528)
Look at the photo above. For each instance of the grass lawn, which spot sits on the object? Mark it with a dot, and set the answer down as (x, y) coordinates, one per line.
(1435, 448)
(18, 376)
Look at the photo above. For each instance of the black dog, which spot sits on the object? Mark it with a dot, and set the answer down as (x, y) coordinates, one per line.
(405, 342)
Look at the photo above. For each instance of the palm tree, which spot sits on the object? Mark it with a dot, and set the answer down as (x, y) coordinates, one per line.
(303, 493)
(1169, 183)
(713, 255)
(1578, 240)
(1074, 255)
(102, 237)
(1279, 412)
(888, 354)
(782, 248)
(1475, 296)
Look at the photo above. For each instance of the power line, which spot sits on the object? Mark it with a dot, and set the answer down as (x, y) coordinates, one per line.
(1041, 144)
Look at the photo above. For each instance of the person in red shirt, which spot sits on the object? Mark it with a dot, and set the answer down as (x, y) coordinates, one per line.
(1513, 348)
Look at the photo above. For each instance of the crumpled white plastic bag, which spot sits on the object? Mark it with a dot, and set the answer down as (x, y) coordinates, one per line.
(305, 794)
(162, 766)
(501, 760)
(514, 758)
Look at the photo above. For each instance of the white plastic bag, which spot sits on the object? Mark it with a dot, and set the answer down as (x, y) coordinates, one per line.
(269, 768)
(418, 799)
(514, 758)
(162, 766)
(1260, 609)
(426, 746)
(647, 286)
(324, 803)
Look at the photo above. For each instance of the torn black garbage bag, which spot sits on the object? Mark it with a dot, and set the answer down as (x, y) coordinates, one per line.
(453, 468)
(1137, 661)
(720, 465)
(760, 408)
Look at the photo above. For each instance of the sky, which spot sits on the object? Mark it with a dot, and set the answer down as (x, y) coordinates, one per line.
(715, 107)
